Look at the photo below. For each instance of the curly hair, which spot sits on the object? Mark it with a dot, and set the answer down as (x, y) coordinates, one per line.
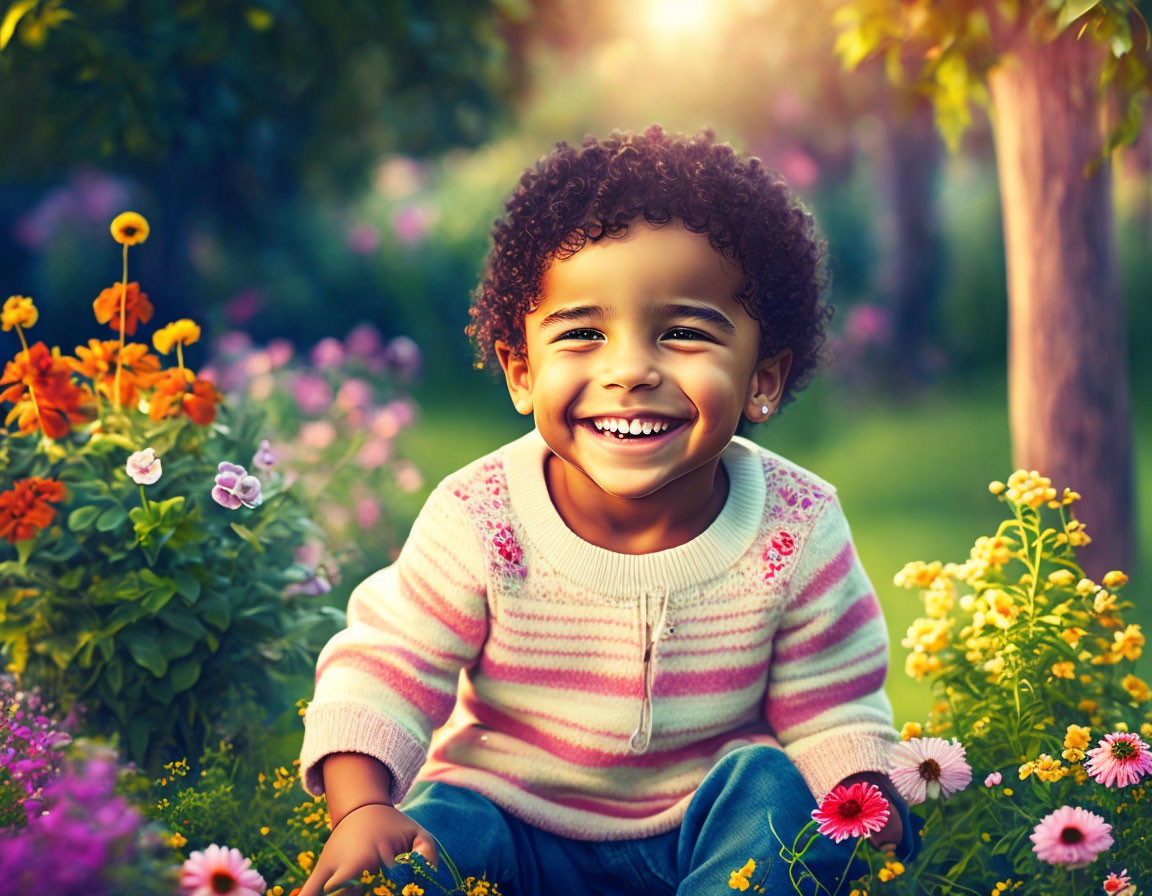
(593, 192)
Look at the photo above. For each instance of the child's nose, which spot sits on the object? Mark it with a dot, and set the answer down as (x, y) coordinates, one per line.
(629, 364)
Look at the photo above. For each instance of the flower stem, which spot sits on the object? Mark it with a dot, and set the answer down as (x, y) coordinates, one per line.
(180, 355)
(31, 391)
(123, 315)
(143, 498)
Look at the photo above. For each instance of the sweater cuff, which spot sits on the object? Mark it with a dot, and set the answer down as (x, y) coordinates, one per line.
(356, 728)
(827, 759)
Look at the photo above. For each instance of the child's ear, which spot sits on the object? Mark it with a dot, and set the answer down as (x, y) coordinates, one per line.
(517, 375)
(766, 387)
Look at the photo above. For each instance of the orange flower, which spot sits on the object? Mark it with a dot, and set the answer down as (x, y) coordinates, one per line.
(41, 388)
(136, 307)
(178, 390)
(25, 510)
(129, 228)
(18, 312)
(98, 363)
(183, 331)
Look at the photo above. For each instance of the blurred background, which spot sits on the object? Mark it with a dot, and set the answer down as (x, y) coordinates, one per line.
(321, 179)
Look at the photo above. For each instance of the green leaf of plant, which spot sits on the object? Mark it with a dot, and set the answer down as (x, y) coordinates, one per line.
(111, 518)
(145, 650)
(82, 517)
(184, 674)
(215, 610)
(249, 536)
(187, 585)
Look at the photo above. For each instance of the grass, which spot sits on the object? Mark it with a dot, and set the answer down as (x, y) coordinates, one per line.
(911, 474)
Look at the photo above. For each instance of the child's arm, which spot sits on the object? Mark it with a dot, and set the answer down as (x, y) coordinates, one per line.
(826, 700)
(367, 831)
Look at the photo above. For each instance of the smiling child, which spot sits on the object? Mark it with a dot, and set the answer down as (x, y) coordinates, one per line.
(669, 648)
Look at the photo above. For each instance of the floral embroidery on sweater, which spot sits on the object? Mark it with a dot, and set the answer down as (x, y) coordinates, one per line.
(792, 500)
(485, 494)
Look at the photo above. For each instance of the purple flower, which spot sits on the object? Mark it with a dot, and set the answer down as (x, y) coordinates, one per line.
(235, 487)
(403, 356)
(328, 353)
(363, 341)
(264, 459)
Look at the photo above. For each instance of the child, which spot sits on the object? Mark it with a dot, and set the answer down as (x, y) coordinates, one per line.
(669, 647)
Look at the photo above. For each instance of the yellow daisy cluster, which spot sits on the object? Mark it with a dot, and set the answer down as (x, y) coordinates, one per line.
(988, 552)
(177, 840)
(306, 860)
(412, 890)
(928, 635)
(1064, 669)
(918, 574)
(1006, 886)
(1137, 688)
(385, 887)
(910, 730)
(1076, 740)
(1045, 768)
(858, 891)
(1030, 488)
(738, 880)
(890, 870)
(480, 887)
(1074, 533)
(918, 664)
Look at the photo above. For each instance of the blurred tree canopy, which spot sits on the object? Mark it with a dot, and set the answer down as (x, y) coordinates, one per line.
(229, 111)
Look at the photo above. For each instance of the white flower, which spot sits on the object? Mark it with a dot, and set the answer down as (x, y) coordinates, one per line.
(144, 466)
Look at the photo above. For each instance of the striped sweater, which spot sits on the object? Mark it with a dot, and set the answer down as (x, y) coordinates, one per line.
(599, 688)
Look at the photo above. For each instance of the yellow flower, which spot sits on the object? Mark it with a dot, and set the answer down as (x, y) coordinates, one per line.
(1062, 577)
(1004, 609)
(1077, 536)
(178, 840)
(1146, 729)
(736, 882)
(129, 228)
(1077, 737)
(910, 730)
(1115, 579)
(306, 860)
(890, 870)
(183, 331)
(918, 574)
(1030, 488)
(1064, 669)
(920, 664)
(996, 486)
(264, 831)
(412, 890)
(929, 635)
(940, 598)
(1103, 602)
(18, 312)
(1073, 635)
(995, 668)
(1137, 688)
(385, 889)
(1129, 642)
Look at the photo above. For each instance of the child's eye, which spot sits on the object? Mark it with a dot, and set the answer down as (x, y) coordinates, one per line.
(583, 333)
(684, 333)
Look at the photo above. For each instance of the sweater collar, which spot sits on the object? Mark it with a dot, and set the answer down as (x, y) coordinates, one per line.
(706, 557)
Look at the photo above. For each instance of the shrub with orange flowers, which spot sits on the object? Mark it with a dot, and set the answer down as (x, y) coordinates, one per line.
(145, 573)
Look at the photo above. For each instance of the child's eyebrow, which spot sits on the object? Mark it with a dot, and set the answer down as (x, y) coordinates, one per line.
(575, 313)
(702, 313)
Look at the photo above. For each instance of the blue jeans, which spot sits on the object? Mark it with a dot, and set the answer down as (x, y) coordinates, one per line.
(726, 824)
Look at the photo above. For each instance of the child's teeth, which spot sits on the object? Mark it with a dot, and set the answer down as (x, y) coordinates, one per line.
(647, 428)
(635, 427)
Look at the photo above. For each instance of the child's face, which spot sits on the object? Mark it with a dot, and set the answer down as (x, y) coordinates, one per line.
(642, 328)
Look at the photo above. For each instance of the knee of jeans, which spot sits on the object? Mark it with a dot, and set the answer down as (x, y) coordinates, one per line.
(758, 758)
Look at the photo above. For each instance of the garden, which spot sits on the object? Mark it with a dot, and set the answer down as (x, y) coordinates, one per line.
(239, 244)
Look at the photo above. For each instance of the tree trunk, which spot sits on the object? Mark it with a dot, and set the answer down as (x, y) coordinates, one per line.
(1068, 381)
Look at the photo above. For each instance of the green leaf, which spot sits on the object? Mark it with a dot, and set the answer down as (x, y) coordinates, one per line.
(249, 536)
(216, 611)
(82, 517)
(114, 675)
(24, 549)
(187, 585)
(145, 650)
(111, 518)
(139, 732)
(184, 674)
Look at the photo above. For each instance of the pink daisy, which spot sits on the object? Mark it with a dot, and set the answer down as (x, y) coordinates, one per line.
(220, 871)
(1119, 884)
(1121, 759)
(928, 767)
(854, 811)
(1071, 836)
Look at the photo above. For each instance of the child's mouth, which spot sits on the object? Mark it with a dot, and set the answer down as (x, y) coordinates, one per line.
(621, 430)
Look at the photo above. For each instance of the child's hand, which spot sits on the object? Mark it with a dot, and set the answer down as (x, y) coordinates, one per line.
(889, 836)
(363, 840)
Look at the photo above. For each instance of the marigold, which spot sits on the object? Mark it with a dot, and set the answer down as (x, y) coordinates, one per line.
(183, 331)
(1129, 642)
(910, 730)
(44, 396)
(18, 312)
(129, 228)
(97, 361)
(1137, 688)
(1072, 635)
(27, 507)
(136, 307)
(1077, 737)
(1064, 669)
(177, 391)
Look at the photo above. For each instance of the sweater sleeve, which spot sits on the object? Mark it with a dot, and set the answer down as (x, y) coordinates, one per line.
(826, 699)
(387, 680)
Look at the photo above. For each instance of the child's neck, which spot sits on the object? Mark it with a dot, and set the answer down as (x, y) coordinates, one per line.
(672, 516)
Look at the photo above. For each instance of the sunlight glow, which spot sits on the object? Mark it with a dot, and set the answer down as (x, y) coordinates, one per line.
(676, 18)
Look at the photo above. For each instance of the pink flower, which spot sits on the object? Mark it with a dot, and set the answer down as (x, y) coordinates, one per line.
(928, 767)
(354, 393)
(1121, 759)
(363, 341)
(235, 487)
(279, 352)
(317, 434)
(220, 870)
(144, 466)
(854, 811)
(408, 478)
(312, 392)
(1119, 884)
(403, 356)
(363, 238)
(1071, 836)
(328, 352)
(367, 513)
(264, 459)
(993, 779)
(373, 454)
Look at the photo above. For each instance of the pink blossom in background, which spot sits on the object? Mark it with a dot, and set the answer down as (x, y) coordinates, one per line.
(258, 362)
(993, 779)
(233, 342)
(787, 106)
(309, 554)
(412, 222)
(374, 453)
(328, 353)
(385, 422)
(867, 323)
(244, 306)
(408, 476)
(280, 352)
(336, 516)
(798, 167)
(312, 392)
(403, 356)
(363, 341)
(1071, 836)
(317, 583)
(400, 176)
(354, 393)
(260, 388)
(367, 513)
(264, 460)
(403, 410)
(317, 434)
(363, 238)
(219, 871)
(1121, 758)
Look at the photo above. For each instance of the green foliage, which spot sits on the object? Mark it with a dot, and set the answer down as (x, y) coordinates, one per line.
(950, 47)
